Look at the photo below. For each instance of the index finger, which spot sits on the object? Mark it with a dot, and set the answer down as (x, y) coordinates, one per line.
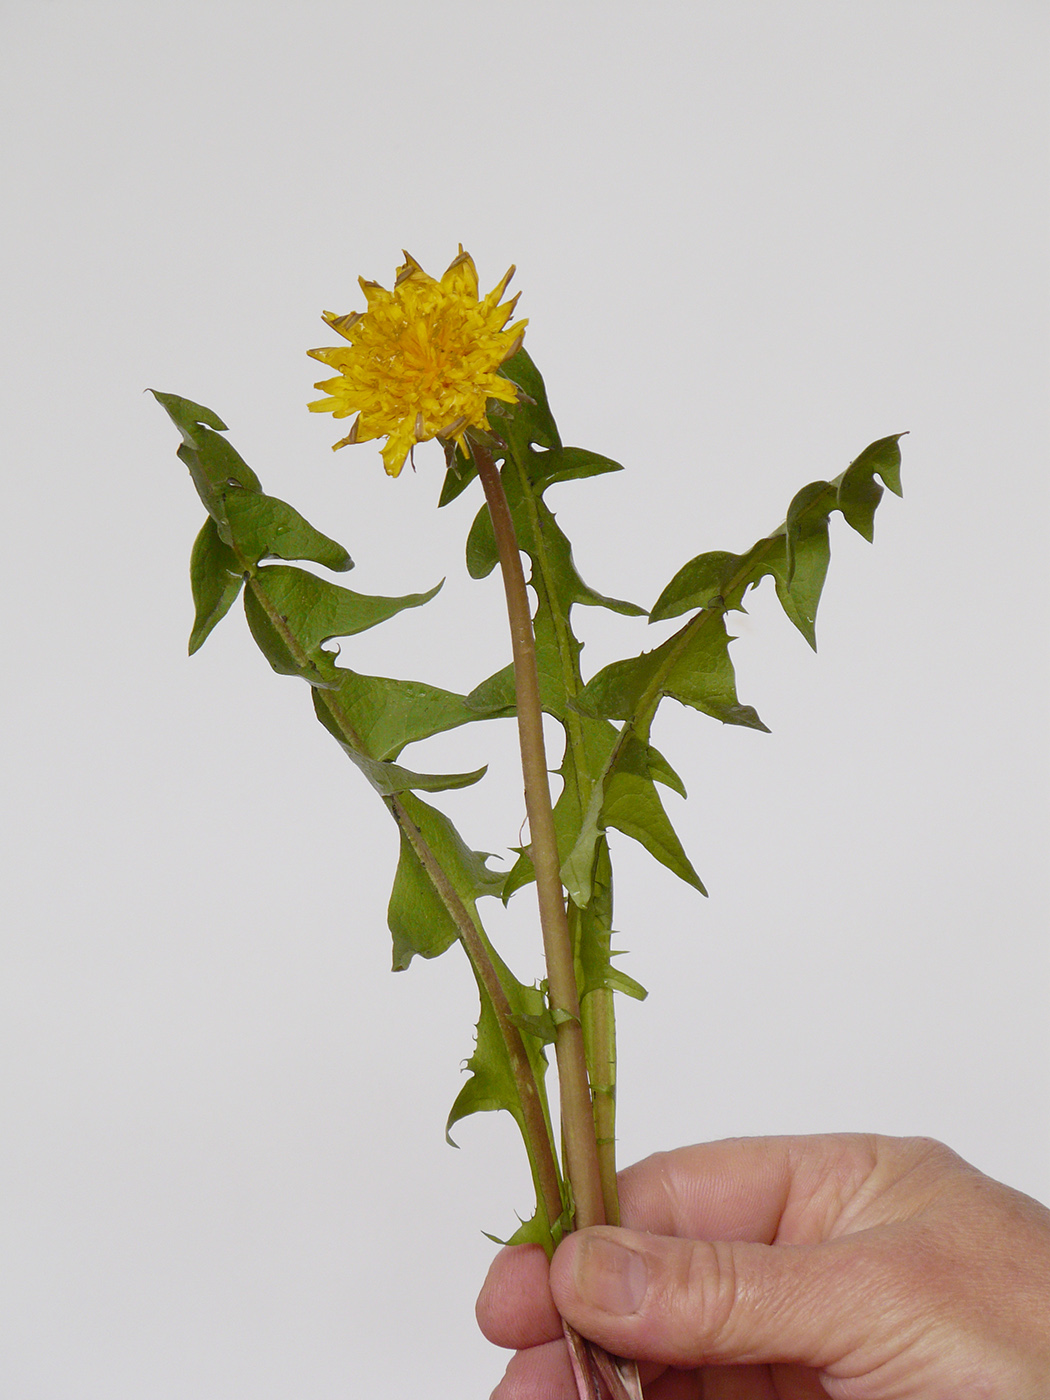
(764, 1189)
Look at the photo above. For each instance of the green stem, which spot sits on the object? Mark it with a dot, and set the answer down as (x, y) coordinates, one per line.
(581, 1155)
(597, 1014)
(591, 926)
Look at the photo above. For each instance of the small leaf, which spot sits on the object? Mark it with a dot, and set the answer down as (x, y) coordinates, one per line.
(391, 778)
(460, 472)
(662, 772)
(567, 464)
(188, 416)
(213, 463)
(859, 494)
(216, 580)
(418, 920)
(385, 714)
(620, 982)
(495, 696)
(541, 1027)
(277, 642)
(633, 806)
(263, 526)
(697, 584)
(490, 1086)
(530, 419)
(482, 552)
(693, 667)
(318, 610)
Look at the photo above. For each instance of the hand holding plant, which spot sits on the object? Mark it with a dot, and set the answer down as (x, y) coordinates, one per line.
(430, 359)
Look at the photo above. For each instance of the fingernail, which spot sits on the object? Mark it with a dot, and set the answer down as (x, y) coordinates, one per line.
(609, 1277)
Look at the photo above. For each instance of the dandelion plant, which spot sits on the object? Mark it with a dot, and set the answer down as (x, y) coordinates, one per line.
(426, 360)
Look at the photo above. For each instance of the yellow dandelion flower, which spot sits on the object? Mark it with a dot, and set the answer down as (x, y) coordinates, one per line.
(422, 361)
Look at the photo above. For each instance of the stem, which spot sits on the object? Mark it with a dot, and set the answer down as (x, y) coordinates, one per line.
(596, 1004)
(581, 1155)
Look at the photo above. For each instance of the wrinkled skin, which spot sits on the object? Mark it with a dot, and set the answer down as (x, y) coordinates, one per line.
(852, 1267)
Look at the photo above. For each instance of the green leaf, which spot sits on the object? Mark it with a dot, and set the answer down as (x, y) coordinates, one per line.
(567, 464)
(250, 523)
(418, 920)
(391, 778)
(317, 610)
(554, 573)
(385, 714)
(460, 472)
(216, 580)
(529, 420)
(692, 667)
(697, 584)
(490, 1086)
(662, 772)
(632, 805)
(541, 1026)
(188, 416)
(263, 526)
(495, 697)
(275, 638)
(213, 463)
(797, 554)
(859, 494)
(620, 982)
(482, 551)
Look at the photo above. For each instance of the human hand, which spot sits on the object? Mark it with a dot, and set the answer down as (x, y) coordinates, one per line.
(852, 1267)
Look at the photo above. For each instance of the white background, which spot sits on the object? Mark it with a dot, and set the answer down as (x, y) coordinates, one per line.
(751, 238)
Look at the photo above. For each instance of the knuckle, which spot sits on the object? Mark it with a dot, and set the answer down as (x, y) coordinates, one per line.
(706, 1303)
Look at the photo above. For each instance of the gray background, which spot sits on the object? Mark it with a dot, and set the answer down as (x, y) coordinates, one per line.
(751, 238)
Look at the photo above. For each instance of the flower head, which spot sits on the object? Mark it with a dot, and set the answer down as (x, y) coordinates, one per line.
(422, 360)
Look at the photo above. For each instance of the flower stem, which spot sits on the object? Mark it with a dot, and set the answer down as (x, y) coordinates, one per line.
(581, 1155)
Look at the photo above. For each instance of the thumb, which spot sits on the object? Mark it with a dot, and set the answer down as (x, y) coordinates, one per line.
(689, 1302)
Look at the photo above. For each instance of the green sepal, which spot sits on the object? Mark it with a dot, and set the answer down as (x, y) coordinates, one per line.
(216, 579)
